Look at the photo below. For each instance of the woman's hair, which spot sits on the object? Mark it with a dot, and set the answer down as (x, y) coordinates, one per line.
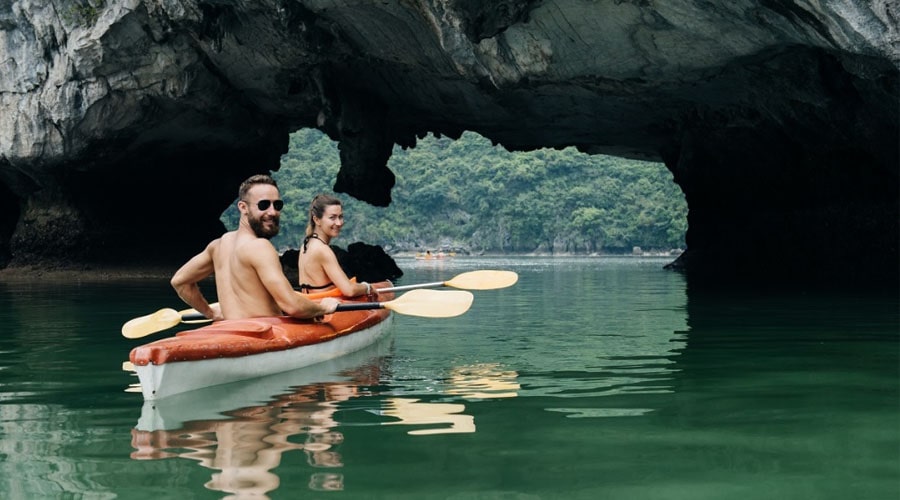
(317, 209)
(252, 181)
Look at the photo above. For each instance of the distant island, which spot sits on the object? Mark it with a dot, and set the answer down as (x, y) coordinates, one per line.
(470, 197)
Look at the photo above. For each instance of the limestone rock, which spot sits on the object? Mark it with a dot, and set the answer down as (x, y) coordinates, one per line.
(138, 118)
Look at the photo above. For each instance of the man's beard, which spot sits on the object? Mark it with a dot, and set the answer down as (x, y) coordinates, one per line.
(260, 230)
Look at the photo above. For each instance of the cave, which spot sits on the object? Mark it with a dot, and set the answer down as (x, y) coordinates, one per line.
(126, 127)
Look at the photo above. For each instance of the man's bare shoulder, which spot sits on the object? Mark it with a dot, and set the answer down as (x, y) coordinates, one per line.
(252, 245)
(217, 243)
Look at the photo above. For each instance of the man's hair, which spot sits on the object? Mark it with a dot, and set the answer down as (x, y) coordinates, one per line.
(254, 180)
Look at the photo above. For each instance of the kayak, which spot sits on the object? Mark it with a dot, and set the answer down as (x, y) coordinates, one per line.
(232, 350)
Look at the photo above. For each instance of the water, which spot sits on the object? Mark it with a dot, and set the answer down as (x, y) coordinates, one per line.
(590, 378)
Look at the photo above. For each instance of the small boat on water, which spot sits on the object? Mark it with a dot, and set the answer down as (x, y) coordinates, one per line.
(435, 256)
(232, 350)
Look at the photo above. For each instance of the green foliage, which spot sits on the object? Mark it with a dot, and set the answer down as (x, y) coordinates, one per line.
(468, 194)
(83, 13)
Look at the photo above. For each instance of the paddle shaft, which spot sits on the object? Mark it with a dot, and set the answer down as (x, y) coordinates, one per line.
(193, 317)
(472, 280)
(436, 284)
(362, 306)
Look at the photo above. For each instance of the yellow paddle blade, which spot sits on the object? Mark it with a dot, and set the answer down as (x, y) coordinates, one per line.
(432, 303)
(151, 323)
(483, 280)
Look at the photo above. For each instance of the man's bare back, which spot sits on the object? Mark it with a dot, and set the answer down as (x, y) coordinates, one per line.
(241, 293)
(249, 278)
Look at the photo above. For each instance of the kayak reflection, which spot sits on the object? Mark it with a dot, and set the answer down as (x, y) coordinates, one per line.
(241, 430)
(229, 430)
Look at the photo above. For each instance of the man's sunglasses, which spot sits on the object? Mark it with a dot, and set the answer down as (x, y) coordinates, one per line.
(263, 205)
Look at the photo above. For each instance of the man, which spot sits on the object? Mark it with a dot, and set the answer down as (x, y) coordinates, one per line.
(249, 278)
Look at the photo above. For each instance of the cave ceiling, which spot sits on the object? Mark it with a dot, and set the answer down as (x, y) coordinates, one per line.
(779, 120)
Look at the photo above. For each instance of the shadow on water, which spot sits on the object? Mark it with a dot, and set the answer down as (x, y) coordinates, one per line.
(798, 393)
(781, 340)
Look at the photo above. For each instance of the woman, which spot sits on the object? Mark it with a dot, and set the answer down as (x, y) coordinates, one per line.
(319, 269)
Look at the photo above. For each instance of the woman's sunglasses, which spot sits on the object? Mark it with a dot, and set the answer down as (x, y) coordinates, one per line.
(263, 205)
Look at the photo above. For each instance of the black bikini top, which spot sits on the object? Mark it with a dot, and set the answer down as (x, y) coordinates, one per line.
(306, 287)
(306, 240)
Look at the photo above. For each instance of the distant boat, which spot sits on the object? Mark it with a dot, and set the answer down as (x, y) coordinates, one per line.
(437, 255)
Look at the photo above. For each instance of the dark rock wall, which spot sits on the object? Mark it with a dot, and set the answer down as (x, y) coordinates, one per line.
(811, 190)
(126, 125)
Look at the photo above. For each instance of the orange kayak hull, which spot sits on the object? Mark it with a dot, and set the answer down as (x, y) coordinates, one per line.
(232, 350)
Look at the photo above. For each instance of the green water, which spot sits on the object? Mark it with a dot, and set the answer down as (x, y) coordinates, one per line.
(590, 378)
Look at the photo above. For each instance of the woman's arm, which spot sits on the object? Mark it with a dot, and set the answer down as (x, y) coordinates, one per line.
(336, 274)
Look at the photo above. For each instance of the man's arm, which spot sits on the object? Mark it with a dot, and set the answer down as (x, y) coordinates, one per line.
(265, 260)
(185, 280)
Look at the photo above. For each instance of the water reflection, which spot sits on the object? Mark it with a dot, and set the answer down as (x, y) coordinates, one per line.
(413, 412)
(472, 382)
(483, 380)
(242, 430)
(246, 448)
(229, 430)
(786, 351)
(611, 349)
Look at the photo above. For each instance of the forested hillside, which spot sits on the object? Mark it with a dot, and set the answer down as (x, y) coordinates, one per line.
(469, 196)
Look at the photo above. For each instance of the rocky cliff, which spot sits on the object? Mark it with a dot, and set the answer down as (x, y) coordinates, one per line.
(126, 125)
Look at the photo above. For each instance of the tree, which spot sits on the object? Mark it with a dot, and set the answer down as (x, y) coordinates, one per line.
(486, 199)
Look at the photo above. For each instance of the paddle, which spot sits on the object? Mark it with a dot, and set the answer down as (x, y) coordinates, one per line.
(159, 321)
(167, 318)
(472, 280)
(424, 303)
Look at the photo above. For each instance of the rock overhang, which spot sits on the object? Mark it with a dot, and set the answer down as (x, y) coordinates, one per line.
(792, 107)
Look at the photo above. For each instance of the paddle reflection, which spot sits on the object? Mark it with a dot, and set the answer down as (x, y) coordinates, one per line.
(244, 445)
(471, 382)
(482, 381)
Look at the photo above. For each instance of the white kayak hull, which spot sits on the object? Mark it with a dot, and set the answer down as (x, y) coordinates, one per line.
(162, 380)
